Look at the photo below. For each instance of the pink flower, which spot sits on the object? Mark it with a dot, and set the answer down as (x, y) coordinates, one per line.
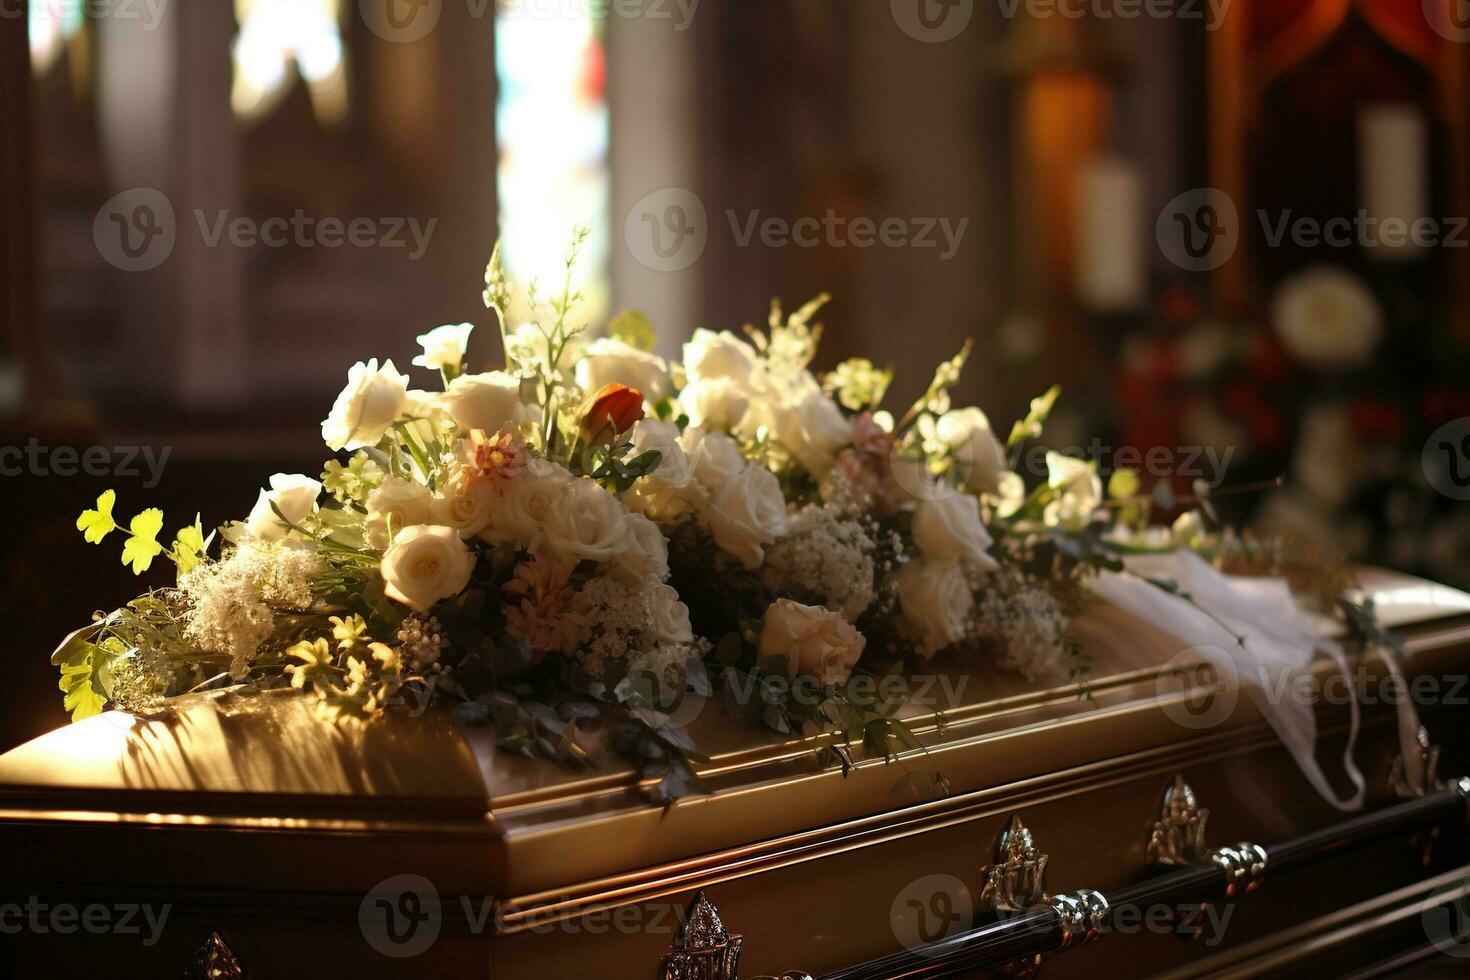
(543, 617)
(498, 459)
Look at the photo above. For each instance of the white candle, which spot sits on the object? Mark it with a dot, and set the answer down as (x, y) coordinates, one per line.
(1393, 177)
(1109, 232)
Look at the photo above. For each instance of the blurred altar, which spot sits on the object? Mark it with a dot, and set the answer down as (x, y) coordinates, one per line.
(1228, 228)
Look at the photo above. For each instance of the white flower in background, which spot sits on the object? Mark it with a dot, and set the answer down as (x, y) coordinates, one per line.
(396, 504)
(367, 408)
(1080, 492)
(1330, 463)
(814, 429)
(527, 351)
(484, 401)
(293, 495)
(425, 407)
(713, 457)
(663, 495)
(979, 456)
(529, 503)
(950, 527)
(1204, 348)
(1328, 319)
(646, 553)
(608, 361)
(467, 505)
(936, 599)
(710, 356)
(747, 514)
(814, 641)
(425, 564)
(1009, 496)
(670, 616)
(444, 348)
(585, 523)
(714, 403)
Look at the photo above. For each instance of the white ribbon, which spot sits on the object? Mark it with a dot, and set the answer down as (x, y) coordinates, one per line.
(1254, 629)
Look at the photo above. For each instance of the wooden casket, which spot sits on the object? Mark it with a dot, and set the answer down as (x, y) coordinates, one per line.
(1147, 821)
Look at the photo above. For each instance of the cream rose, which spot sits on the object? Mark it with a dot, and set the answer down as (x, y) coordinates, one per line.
(663, 495)
(713, 457)
(425, 564)
(585, 522)
(484, 401)
(814, 429)
(468, 506)
(714, 403)
(529, 503)
(444, 348)
(815, 642)
(293, 494)
(670, 616)
(747, 514)
(936, 601)
(978, 454)
(394, 505)
(645, 553)
(718, 356)
(367, 408)
(950, 527)
(608, 361)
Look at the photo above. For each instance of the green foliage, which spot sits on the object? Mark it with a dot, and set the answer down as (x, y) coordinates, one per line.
(633, 329)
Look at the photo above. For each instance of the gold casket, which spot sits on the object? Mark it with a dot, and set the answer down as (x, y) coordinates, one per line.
(1148, 807)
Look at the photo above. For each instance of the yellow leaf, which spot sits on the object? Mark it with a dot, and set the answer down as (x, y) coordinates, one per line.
(142, 545)
(98, 524)
(189, 546)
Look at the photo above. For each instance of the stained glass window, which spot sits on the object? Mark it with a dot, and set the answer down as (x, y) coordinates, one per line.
(280, 41)
(552, 133)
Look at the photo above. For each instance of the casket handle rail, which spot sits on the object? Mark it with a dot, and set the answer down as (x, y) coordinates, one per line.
(1032, 924)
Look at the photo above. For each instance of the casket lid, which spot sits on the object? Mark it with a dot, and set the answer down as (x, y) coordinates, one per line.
(528, 830)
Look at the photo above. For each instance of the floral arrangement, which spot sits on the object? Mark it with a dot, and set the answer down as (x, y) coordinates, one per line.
(569, 547)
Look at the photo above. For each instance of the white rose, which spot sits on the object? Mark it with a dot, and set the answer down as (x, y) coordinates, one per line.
(815, 641)
(936, 600)
(814, 429)
(394, 505)
(484, 401)
(529, 503)
(467, 506)
(714, 403)
(367, 408)
(950, 527)
(645, 553)
(718, 356)
(1080, 492)
(444, 348)
(608, 361)
(1328, 318)
(978, 454)
(670, 616)
(747, 514)
(713, 457)
(664, 495)
(585, 522)
(427, 563)
(293, 494)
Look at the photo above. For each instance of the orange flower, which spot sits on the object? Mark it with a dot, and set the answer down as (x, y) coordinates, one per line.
(613, 411)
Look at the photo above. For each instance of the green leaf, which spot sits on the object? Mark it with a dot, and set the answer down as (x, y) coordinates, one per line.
(633, 329)
(82, 678)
